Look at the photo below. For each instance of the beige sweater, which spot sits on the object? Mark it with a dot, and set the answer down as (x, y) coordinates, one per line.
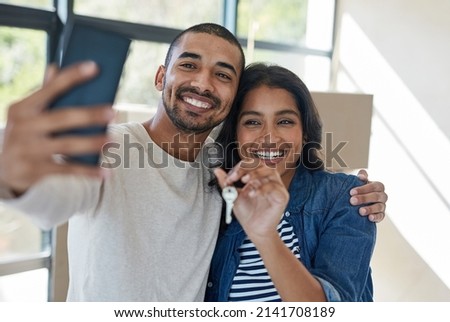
(146, 233)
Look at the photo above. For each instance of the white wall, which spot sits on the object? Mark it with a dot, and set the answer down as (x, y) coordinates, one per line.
(398, 51)
(414, 38)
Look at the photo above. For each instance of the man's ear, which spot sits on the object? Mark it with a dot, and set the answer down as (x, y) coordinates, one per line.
(159, 77)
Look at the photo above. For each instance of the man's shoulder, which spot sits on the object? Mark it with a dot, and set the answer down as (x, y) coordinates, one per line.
(135, 132)
(124, 127)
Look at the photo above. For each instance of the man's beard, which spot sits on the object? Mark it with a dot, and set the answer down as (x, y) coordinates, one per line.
(187, 124)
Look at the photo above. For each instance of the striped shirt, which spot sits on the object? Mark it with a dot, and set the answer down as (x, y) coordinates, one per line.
(251, 281)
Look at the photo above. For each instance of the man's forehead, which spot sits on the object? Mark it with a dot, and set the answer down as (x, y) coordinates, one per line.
(208, 46)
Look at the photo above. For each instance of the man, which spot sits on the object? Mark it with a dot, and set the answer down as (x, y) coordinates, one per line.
(144, 231)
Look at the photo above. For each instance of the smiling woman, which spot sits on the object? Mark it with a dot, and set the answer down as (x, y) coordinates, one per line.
(270, 129)
(295, 234)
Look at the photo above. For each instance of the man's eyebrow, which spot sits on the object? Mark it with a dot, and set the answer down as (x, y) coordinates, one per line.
(188, 54)
(228, 66)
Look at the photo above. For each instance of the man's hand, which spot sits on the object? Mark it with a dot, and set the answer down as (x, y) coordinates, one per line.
(371, 193)
(30, 145)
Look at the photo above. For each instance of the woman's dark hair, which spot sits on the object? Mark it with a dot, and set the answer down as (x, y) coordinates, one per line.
(259, 74)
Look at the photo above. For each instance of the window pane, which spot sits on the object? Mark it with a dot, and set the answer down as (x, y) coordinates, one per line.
(174, 13)
(22, 64)
(42, 4)
(19, 237)
(137, 84)
(293, 22)
(25, 287)
(275, 21)
(313, 70)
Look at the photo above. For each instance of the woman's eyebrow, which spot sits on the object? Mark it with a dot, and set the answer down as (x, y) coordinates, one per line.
(288, 111)
(250, 113)
(282, 112)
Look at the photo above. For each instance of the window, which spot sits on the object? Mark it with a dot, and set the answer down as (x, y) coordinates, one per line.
(177, 14)
(22, 66)
(24, 249)
(44, 4)
(282, 21)
(136, 86)
(296, 34)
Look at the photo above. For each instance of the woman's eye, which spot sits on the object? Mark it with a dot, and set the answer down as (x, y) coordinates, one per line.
(286, 122)
(251, 122)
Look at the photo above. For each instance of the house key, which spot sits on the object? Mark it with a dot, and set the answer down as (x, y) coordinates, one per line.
(229, 194)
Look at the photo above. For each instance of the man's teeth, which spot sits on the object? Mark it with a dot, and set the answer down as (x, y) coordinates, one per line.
(196, 103)
(269, 155)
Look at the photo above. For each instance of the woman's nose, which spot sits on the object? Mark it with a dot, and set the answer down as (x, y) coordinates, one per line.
(269, 136)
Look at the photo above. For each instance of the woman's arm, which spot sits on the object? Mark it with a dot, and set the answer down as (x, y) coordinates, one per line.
(258, 209)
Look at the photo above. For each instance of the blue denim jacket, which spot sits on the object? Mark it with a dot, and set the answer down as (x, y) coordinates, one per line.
(336, 243)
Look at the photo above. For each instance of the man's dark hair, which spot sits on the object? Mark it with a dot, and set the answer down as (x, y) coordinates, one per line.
(211, 29)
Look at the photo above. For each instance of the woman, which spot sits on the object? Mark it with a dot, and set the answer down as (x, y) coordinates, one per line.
(321, 248)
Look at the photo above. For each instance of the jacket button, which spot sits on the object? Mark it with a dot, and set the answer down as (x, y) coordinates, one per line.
(287, 213)
(210, 284)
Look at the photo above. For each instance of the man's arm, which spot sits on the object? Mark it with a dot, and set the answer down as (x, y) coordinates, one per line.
(32, 179)
(56, 198)
(373, 194)
(30, 145)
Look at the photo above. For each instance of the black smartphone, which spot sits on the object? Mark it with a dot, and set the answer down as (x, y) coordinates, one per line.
(80, 42)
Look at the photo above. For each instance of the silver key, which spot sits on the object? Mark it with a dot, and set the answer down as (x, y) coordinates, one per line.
(229, 194)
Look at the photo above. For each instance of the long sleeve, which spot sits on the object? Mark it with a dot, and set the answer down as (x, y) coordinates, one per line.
(344, 251)
(55, 199)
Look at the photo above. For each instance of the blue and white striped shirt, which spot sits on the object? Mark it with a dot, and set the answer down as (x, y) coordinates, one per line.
(251, 281)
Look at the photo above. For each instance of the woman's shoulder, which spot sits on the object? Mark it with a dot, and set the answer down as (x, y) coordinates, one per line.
(334, 178)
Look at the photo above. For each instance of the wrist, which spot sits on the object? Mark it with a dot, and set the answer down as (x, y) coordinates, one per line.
(264, 239)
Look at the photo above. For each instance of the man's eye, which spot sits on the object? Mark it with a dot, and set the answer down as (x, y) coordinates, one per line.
(188, 66)
(225, 76)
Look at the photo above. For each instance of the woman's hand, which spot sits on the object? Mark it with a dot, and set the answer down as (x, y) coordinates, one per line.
(261, 201)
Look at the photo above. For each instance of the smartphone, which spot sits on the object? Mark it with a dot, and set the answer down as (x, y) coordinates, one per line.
(80, 42)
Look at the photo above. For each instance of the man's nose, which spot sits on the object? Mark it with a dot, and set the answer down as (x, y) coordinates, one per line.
(203, 82)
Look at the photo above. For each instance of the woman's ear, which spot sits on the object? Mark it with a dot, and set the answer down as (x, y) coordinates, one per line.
(159, 77)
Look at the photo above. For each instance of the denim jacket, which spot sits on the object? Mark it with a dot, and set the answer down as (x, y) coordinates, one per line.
(336, 243)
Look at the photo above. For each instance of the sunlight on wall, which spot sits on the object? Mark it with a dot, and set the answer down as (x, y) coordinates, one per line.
(409, 153)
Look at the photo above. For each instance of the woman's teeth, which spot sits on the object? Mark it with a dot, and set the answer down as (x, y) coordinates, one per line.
(269, 155)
